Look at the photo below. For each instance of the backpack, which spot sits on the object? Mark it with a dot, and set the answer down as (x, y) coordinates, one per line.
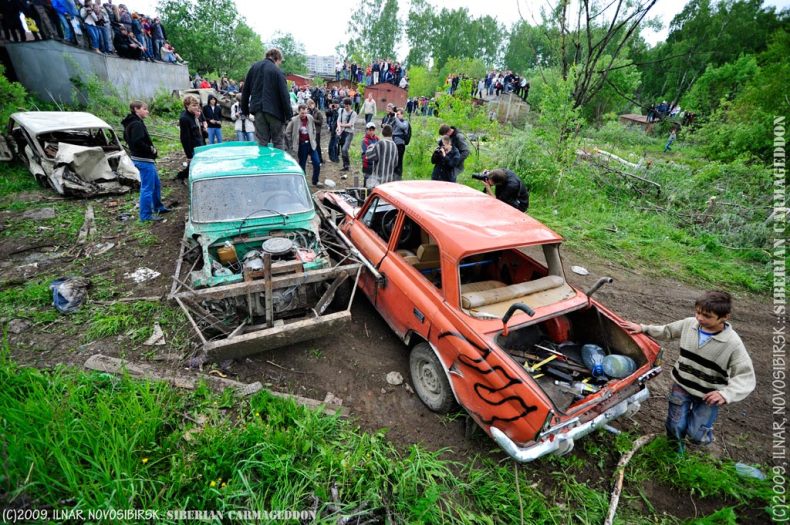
(407, 137)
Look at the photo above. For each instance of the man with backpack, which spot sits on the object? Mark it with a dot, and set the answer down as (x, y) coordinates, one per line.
(401, 135)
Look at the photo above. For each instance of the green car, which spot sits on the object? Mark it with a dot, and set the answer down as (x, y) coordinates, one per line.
(254, 272)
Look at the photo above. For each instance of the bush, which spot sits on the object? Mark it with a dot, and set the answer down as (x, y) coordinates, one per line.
(166, 105)
(13, 95)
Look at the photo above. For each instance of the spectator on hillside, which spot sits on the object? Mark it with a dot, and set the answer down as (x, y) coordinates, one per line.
(319, 118)
(125, 46)
(331, 122)
(369, 108)
(300, 140)
(400, 133)
(45, 16)
(389, 117)
(191, 130)
(265, 95)
(90, 20)
(212, 113)
(383, 156)
(12, 24)
(445, 158)
(508, 188)
(346, 120)
(368, 140)
(125, 18)
(143, 154)
(245, 129)
(159, 37)
(459, 143)
(169, 54)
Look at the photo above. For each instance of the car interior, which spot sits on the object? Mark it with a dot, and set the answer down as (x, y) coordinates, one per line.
(491, 282)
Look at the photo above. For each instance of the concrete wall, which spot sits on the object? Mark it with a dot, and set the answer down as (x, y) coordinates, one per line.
(45, 67)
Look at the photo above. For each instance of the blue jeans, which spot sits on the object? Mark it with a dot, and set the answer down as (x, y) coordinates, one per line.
(249, 136)
(65, 24)
(332, 150)
(304, 151)
(95, 37)
(215, 135)
(690, 416)
(150, 191)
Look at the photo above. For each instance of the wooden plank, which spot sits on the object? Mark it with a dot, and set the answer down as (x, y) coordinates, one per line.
(206, 315)
(191, 321)
(236, 289)
(330, 293)
(262, 340)
(114, 365)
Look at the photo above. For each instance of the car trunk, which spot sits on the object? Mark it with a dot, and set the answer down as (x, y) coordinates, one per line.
(550, 351)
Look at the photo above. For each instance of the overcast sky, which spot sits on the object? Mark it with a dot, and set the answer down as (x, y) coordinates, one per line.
(320, 26)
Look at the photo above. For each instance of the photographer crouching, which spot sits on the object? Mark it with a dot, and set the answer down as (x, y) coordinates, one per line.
(508, 187)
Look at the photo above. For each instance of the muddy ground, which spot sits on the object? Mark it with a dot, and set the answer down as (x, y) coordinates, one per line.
(352, 365)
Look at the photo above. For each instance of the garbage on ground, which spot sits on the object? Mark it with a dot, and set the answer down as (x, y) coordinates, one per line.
(100, 248)
(749, 471)
(141, 275)
(68, 293)
(17, 326)
(581, 270)
(39, 214)
(123, 217)
(332, 399)
(157, 337)
(394, 378)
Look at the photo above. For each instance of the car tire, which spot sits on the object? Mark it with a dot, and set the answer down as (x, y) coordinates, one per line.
(430, 380)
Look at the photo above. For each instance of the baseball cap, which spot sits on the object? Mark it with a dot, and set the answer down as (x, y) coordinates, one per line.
(370, 125)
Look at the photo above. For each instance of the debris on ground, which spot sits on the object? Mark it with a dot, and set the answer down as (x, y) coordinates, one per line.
(580, 270)
(332, 399)
(157, 337)
(142, 275)
(98, 249)
(394, 378)
(68, 293)
(17, 326)
(88, 229)
(39, 214)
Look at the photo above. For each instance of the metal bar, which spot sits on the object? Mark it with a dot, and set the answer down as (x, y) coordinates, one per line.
(267, 274)
(322, 304)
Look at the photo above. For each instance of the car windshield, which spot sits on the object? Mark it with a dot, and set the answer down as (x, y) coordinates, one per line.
(254, 196)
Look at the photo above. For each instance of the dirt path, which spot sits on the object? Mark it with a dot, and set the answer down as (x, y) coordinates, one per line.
(352, 365)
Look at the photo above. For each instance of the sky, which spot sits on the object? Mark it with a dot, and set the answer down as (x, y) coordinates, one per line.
(321, 29)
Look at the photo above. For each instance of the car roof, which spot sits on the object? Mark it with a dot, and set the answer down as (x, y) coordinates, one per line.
(465, 220)
(36, 122)
(240, 158)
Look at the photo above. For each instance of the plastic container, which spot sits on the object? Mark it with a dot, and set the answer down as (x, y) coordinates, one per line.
(227, 254)
(618, 366)
(593, 356)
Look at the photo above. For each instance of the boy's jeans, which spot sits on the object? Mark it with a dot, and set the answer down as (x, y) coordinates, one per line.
(690, 416)
(150, 190)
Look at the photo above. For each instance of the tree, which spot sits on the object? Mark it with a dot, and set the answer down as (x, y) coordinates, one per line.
(422, 83)
(211, 35)
(461, 36)
(529, 47)
(376, 30)
(706, 34)
(420, 31)
(294, 57)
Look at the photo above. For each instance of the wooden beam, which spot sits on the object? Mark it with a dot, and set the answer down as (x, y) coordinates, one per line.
(236, 289)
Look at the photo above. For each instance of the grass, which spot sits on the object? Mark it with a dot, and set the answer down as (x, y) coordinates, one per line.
(15, 178)
(97, 441)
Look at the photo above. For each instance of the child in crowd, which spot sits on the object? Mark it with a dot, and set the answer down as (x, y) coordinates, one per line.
(713, 369)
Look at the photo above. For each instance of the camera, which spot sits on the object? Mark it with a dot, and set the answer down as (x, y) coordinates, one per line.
(480, 176)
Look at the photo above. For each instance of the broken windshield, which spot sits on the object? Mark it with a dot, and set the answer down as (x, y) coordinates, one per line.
(254, 196)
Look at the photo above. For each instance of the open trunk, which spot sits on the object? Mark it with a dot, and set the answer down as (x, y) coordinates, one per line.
(551, 352)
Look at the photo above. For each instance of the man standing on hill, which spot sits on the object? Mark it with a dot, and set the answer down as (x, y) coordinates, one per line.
(265, 96)
(400, 135)
(459, 142)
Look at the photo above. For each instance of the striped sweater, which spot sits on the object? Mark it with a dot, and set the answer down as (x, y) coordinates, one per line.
(721, 363)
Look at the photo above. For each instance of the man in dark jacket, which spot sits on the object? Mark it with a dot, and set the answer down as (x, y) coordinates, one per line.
(124, 46)
(144, 154)
(459, 143)
(265, 95)
(508, 188)
(445, 159)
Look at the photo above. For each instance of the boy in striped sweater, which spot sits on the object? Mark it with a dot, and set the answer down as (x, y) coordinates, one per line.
(713, 369)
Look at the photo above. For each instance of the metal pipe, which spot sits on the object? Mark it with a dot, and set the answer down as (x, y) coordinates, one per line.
(354, 251)
(602, 281)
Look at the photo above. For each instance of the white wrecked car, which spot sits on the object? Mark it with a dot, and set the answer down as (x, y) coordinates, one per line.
(75, 153)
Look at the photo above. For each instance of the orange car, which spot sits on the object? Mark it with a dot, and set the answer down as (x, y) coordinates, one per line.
(477, 291)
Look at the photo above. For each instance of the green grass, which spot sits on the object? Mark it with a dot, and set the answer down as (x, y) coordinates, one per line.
(31, 300)
(97, 441)
(15, 178)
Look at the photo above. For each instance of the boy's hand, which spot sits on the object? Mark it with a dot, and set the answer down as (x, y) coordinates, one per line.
(714, 398)
(632, 328)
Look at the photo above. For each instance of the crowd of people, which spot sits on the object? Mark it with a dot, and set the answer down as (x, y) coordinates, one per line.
(380, 70)
(105, 28)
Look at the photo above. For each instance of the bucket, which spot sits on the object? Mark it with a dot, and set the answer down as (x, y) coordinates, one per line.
(227, 254)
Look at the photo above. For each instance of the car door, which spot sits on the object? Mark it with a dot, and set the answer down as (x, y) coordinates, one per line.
(367, 232)
(410, 297)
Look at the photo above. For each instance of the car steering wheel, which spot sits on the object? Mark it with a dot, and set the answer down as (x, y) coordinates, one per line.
(272, 197)
(388, 223)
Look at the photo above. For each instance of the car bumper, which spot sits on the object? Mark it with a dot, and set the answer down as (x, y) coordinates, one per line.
(562, 442)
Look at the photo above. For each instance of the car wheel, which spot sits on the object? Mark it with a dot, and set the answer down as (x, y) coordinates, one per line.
(430, 381)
